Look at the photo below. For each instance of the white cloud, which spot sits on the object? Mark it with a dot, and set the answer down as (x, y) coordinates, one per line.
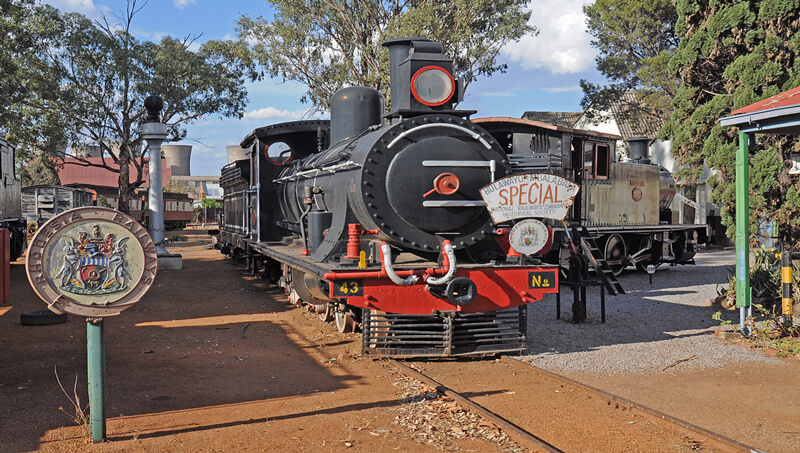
(85, 7)
(72, 5)
(272, 112)
(516, 91)
(154, 36)
(562, 46)
(181, 4)
(566, 89)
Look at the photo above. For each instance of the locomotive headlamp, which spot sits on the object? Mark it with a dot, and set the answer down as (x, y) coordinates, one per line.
(433, 86)
(793, 164)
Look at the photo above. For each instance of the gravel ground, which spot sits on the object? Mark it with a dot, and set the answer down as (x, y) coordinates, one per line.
(663, 325)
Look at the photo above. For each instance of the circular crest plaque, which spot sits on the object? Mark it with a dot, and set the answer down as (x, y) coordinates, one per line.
(92, 262)
(528, 236)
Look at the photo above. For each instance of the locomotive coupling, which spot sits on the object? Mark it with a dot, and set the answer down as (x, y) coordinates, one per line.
(459, 291)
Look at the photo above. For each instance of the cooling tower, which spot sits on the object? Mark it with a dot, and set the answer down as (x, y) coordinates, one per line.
(178, 158)
(87, 151)
(235, 152)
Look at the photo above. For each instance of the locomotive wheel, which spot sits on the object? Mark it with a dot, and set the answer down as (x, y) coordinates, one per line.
(679, 247)
(641, 266)
(615, 253)
(325, 311)
(345, 321)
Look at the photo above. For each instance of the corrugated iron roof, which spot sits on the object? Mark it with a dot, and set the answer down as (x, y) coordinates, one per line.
(779, 114)
(631, 123)
(785, 99)
(76, 172)
(549, 126)
(565, 119)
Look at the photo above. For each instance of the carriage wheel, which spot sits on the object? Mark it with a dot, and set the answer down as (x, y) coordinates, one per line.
(615, 253)
(294, 298)
(345, 321)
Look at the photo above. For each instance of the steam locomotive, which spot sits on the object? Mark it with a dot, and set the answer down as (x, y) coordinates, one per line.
(11, 202)
(383, 220)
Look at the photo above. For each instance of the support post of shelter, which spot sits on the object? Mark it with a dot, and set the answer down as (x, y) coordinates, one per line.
(743, 292)
(96, 364)
(786, 284)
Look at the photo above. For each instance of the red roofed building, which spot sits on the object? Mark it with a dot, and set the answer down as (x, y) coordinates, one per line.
(104, 182)
(75, 173)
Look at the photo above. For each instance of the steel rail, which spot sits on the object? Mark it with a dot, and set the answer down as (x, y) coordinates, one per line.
(682, 425)
(521, 436)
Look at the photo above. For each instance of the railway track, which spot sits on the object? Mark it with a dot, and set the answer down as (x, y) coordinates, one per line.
(546, 412)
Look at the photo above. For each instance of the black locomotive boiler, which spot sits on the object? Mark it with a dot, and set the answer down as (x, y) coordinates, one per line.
(377, 219)
(11, 201)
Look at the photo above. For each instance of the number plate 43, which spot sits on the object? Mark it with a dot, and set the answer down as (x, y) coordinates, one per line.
(348, 288)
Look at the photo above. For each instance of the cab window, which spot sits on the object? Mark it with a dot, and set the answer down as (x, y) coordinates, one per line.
(597, 161)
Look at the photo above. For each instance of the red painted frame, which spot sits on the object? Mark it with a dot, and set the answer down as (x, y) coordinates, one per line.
(498, 289)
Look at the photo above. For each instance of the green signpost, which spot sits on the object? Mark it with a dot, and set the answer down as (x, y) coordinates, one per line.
(94, 263)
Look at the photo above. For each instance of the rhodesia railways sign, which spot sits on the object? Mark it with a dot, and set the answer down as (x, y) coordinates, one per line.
(529, 195)
(92, 262)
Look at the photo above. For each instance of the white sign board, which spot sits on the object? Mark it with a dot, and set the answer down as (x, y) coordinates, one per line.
(529, 195)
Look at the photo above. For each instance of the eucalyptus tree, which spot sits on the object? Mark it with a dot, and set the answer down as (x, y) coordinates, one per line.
(330, 44)
(86, 82)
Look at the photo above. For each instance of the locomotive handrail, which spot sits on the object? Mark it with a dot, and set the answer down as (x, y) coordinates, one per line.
(452, 203)
(315, 171)
(472, 134)
(463, 163)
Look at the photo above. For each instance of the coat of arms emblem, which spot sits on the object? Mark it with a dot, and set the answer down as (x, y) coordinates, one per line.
(91, 261)
(94, 263)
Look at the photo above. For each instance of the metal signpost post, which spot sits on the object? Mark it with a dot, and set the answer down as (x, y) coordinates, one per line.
(94, 263)
(96, 364)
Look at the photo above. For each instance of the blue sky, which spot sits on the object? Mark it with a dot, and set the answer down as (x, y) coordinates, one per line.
(543, 72)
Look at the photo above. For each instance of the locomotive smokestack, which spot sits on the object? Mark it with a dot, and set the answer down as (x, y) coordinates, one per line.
(398, 52)
(639, 149)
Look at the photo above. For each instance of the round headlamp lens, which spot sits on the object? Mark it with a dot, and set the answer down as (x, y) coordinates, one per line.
(432, 85)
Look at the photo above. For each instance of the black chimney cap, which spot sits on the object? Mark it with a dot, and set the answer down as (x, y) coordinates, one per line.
(154, 104)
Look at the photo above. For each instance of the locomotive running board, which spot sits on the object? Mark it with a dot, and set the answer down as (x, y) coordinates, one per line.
(444, 335)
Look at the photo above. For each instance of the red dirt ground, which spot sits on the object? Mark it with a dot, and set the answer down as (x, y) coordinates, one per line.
(211, 360)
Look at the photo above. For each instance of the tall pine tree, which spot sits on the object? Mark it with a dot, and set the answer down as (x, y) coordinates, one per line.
(733, 53)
